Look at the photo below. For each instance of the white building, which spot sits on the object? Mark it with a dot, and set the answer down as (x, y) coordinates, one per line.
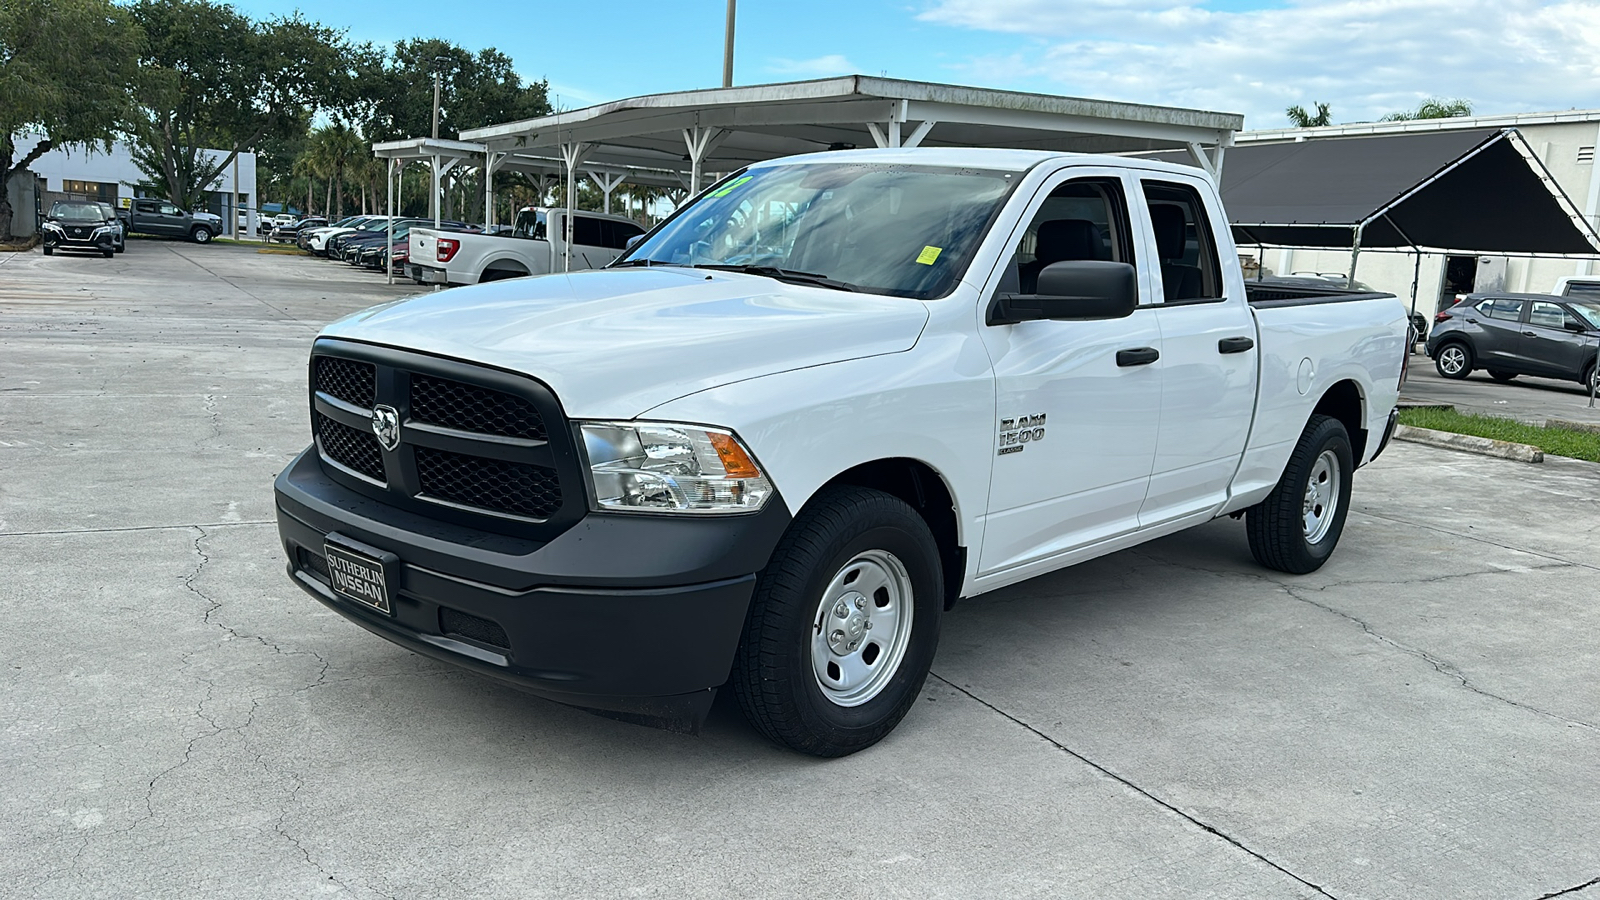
(1564, 141)
(91, 174)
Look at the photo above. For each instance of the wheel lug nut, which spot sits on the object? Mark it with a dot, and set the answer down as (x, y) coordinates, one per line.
(852, 645)
(868, 625)
(841, 610)
(836, 637)
(861, 603)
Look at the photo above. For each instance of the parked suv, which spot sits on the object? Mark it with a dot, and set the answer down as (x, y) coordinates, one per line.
(78, 225)
(1518, 334)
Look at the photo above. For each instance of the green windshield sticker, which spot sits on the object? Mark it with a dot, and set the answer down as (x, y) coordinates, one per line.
(929, 255)
(727, 189)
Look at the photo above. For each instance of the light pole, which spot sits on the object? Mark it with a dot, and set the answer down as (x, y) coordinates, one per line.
(436, 73)
(727, 47)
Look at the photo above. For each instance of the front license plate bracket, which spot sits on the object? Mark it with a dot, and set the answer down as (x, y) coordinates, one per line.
(361, 573)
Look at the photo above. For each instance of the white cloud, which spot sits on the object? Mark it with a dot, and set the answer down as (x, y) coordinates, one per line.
(820, 67)
(1365, 57)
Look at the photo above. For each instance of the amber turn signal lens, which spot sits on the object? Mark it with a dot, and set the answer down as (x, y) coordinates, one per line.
(737, 462)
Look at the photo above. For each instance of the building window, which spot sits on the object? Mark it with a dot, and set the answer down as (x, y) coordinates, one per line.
(93, 190)
(1585, 156)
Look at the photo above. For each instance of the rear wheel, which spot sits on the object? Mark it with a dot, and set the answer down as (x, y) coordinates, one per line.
(1454, 360)
(843, 626)
(1591, 378)
(1297, 527)
(1499, 375)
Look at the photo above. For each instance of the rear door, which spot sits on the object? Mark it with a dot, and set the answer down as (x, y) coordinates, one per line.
(1499, 344)
(1550, 344)
(1209, 358)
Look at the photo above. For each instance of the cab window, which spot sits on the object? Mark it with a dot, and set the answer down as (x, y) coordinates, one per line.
(1189, 267)
(1080, 220)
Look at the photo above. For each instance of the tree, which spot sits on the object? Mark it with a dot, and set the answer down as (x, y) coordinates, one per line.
(1299, 118)
(332, 152)
(393, 92)
(63, 77)
(211, 77)
(1432, 108)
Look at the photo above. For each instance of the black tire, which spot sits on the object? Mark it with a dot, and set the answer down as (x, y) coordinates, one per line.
(1590, 375)
(108, 253)
(773, 672)
(121, 247)
(49, 250)
(1277, 525)
(200, 235)
(1498, 375)
(1451, 366)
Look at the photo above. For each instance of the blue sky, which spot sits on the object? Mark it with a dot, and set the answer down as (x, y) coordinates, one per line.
(1366, 57)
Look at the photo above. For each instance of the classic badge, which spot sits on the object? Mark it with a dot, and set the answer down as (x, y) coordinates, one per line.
(386, 425)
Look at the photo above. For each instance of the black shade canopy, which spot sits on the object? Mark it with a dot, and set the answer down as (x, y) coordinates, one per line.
(1478, 191)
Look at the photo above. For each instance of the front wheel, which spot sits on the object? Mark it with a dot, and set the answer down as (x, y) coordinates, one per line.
(1297, 526)
(107, 252)
(843, 626)
(201, 235)
(1454, 361)
(49, 250)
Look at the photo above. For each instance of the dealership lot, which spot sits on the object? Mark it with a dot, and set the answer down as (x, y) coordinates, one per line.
(1420, 718)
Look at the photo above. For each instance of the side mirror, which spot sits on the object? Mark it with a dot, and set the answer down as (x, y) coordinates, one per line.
(1575, 326)
(1073, 290)
(633, 241)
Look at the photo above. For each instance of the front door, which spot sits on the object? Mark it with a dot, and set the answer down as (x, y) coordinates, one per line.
(1076, 429)
(1208, 355)
(1553, 344)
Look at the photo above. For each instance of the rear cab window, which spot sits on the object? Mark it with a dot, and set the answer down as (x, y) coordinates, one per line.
(1190, 271)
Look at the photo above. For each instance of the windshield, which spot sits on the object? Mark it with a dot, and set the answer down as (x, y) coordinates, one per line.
(1589, 312)
(903, 230)
(77, 212)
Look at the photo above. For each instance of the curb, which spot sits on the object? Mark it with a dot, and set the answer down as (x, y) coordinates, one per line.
(1470, 444)
(1570, 425)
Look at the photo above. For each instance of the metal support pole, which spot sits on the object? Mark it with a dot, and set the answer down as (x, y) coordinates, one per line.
(1355, 254)
(433, 199)
(234, 228)
(573, 155)
(727, 47)
(388, 251)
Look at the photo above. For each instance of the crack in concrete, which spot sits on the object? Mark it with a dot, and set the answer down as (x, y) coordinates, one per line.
(283, 832)
(1197, 822)
(1439, 665)
(1571, 890)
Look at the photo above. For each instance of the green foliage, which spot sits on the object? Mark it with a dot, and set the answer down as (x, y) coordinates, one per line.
(1432, 108)
(64, 75)
(1299, 118)
(209, 76)
(393, 92)
(1555, 441)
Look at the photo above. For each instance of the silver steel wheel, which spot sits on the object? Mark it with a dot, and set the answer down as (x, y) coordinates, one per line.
(862, 628)
(1452, 359)
(1322, 497)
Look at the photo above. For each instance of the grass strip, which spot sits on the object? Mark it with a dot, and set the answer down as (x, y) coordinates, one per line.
(1554, 441)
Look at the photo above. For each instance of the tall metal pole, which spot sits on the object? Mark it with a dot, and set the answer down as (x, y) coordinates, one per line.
(727, 47)
(436, 102)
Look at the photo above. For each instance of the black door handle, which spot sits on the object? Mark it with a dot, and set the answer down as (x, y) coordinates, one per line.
(1530, 334)
(1473, 321)
(1234, 345)
(1138, 356)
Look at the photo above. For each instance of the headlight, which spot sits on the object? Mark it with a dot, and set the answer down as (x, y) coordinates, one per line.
(54, 227)
(666, 467)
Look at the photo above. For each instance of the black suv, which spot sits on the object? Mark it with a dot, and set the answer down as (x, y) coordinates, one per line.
(78, 225)
(1518, 334)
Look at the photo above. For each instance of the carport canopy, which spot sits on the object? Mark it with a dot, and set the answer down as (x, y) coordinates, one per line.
(1472, 191)
(723, 129)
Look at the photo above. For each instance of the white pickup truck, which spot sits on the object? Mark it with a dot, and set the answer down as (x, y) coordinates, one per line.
(536, 245)
(777, 440)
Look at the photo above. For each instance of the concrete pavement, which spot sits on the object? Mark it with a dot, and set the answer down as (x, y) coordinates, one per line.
(1419, 719)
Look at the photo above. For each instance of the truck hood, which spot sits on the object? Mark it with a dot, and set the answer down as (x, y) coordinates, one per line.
(615, 343)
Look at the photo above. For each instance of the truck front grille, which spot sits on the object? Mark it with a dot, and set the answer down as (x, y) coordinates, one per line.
(467, 407)
(506, 487)
(355, 450)
(348, 380)
(476, 446)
